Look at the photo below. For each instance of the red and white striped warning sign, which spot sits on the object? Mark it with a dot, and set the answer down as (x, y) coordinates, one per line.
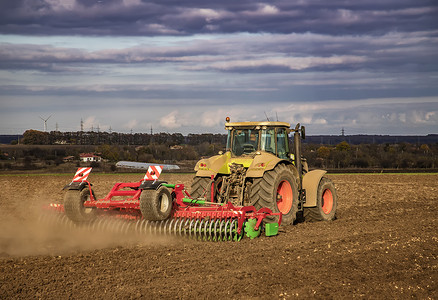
(153, 172)
(81, 174)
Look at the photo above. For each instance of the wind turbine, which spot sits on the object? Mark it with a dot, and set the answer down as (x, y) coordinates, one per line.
(45, 122)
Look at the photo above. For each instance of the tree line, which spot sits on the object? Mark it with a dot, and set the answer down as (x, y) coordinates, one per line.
(52, 148)
(385, 156)
(36, 137)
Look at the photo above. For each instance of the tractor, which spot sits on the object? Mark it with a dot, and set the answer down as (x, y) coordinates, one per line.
(261, 168)
(256, 185)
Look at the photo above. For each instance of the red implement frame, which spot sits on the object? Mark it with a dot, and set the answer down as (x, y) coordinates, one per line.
(131, 190)
(181, 209)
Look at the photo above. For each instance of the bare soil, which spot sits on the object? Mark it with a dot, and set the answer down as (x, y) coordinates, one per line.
(383, 245)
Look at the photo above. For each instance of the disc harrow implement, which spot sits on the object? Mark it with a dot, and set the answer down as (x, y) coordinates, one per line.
(154, 207)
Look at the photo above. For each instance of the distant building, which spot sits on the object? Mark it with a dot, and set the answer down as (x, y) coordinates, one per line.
(176, 147)
(89, 157)
(68, 158)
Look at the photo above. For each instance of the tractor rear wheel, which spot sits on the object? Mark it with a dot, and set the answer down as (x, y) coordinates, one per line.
(201, 187)
(326, 203)
(74, 206)
(156, 205)
(277, 190)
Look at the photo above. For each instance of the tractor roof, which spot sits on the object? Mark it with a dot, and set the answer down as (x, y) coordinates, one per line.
(253, 124)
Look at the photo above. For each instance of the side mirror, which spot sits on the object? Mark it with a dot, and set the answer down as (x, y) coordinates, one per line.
(303, 132)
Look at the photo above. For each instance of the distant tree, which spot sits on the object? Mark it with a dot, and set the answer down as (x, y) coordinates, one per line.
(323, 152)
(35, 137)
(95, 164)
(109, 152)
(425, 148)
(343, 146)
(360, 163)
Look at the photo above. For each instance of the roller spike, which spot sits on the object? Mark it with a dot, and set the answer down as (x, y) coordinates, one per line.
(127, 226)
(190, 228)
(225, 238)
(170, 226)
(221, 227)
(122, 226)
(100, 224)
(195, 231)
(137, 223)
(232, 233)
(175, 227)
(210, 230)
(164, 227)
(216, 230)
(205, 230)
(198, 230)
(180, 226)
(185, 226)
(155, 226)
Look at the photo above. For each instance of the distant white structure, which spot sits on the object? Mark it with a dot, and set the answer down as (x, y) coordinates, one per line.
(139, 165)
(45, 122)
(89, 157)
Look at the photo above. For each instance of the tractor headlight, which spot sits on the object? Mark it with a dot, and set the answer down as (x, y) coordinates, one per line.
(203, 166)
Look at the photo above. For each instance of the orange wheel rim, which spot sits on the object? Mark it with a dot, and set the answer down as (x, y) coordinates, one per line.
(327, 201)
(284, 197)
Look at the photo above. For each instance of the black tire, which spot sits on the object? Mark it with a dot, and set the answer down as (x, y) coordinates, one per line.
(201, 186)
(326, 203)
(266, 190)
(74, 206)
(156, 205)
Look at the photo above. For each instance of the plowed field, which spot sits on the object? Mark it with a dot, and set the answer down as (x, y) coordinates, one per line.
(383, 245)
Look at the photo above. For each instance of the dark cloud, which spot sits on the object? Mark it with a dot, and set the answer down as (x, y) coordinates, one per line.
(392, 53)
(328, 64)
(135, 17)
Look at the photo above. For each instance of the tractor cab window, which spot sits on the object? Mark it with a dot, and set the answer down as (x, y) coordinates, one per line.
(267, 142)
(245, 141)
(229, 140)
(282, 143)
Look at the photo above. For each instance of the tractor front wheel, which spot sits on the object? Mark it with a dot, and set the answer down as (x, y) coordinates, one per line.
(156, 205)
(74, 206)
(277, 190)
(326, 203)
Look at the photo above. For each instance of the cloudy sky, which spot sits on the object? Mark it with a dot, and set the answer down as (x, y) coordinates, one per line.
(368, 66)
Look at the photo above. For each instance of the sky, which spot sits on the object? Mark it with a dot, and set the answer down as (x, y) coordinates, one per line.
(370, 66)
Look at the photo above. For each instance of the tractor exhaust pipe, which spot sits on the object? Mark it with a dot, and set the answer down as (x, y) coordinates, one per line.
(297, 150)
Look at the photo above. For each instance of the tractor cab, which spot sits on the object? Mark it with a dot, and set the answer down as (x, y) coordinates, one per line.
(249, 138)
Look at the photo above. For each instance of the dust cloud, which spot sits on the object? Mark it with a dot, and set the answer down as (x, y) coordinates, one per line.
(37, 236)
(24, 232)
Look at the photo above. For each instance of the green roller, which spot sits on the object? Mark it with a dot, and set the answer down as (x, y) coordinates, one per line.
(249, 229)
